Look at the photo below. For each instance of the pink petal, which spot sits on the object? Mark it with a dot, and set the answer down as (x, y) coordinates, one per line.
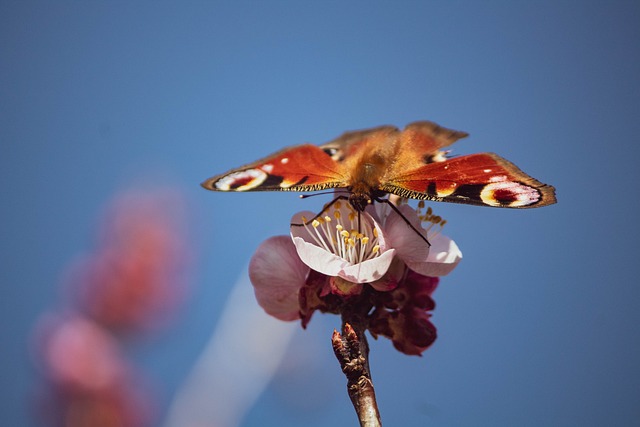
(277, 274)
(410, 245)
(444, 256)
(392, 277)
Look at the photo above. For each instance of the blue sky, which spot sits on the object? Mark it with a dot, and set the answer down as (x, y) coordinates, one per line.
(537, 326)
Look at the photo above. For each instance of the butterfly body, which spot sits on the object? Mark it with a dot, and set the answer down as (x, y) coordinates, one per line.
(371, 163)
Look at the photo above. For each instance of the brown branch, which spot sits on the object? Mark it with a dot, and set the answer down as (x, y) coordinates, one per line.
(352, 350)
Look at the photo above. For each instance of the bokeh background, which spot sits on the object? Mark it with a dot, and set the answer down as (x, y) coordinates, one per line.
(539, 323)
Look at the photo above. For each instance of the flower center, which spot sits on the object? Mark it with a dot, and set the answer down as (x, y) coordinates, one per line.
(344, 233)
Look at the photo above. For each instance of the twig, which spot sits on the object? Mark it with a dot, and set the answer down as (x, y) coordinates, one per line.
(352, 350)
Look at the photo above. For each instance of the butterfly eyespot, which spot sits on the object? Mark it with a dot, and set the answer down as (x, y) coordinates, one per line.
(330, 151)
(509, 194)
(438, 156)
(242, 180)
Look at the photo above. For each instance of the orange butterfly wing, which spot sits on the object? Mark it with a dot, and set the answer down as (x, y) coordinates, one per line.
(484, 179)
(301, 168)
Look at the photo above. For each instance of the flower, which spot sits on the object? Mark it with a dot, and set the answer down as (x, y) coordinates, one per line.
(277, 274)
(402, 315)
(342, 243)
(135, 277)
(89, 380)
(328, 262)
(360, 247)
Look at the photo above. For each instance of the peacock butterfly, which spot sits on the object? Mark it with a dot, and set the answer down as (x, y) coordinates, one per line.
(371, 163)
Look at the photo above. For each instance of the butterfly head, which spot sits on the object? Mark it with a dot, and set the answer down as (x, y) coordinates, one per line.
(361, 199)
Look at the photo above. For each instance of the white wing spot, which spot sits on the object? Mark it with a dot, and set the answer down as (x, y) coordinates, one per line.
(268, 168)
(241, 180)
(284, 160)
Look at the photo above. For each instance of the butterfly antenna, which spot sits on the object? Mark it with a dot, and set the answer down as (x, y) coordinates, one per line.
(305, 196)
(395, 208)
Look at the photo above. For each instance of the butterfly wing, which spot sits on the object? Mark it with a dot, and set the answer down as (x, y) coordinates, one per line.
(419, 140)
(484, 179)
(300, 168)
(347, 144)
(423, 139)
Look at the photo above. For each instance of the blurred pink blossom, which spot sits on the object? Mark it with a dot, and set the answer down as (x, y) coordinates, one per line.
(133, 280)
(89, 380)
(135, 277)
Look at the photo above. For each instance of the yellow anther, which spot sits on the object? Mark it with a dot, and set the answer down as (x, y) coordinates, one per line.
(421, 204)
(337, 214)
(429, 211)
(315, 223)
(304, 219)
(352, 216)
(337, 204)
(339, 227)
(327, 218)
(443, 222)
(344, 233)
(365, 240)
(375, 232)
(376, 249)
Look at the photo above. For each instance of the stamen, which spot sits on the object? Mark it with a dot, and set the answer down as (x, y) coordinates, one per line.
(355, 240)
(318, 237)
(432, 220)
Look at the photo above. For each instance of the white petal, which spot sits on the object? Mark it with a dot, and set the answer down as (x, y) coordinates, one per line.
(369, 270)
(301, 231)
(317, 258)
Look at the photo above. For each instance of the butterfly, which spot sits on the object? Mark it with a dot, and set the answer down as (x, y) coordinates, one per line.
(410, 163)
